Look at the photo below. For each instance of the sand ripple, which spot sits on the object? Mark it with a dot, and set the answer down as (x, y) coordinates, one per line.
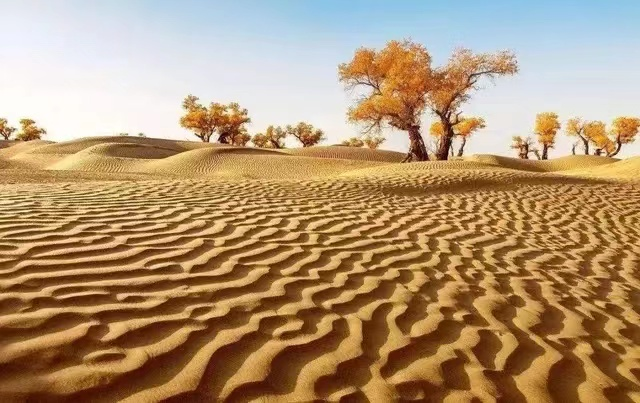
(367, 285)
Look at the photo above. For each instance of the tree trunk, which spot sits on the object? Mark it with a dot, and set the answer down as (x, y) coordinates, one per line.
(585, 143)
(445, 141)
(224, 138)
(545, 152)
(461, 149)
(573, 148)
(275, 144)
(618, 147)
(598, 151)
(417, 148)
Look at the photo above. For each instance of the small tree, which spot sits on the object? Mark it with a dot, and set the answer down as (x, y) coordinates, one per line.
(123, 134)
(29, 131)
(5, 130)
(353, 142)
(546, 128)
(373, 141)
(524, 146)
(463, 130)
(240, 138)
(596, 133)
(225, 120)
(142, 134)
(273, 137)
(306, 134)
(575, 128)
(624, 131)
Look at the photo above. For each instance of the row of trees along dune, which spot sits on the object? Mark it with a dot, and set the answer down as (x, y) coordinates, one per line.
(28, 130)
(594, 133)
(372, 141)
(229, 122)
(398, 84)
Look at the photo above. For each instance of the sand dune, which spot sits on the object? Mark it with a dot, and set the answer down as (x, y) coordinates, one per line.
(628, 169)
(570, 162)
(349, 153)
(151, 271)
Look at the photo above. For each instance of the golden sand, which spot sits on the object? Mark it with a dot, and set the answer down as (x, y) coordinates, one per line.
(135, 269)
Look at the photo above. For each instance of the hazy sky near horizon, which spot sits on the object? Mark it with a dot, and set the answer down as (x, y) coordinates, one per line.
(88, 67)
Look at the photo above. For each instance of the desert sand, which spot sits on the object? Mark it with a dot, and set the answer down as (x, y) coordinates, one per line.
(137, 269)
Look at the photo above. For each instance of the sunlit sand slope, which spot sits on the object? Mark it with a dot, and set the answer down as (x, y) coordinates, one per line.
(318, 289)
(150, 271)
(628, 169)
(351, 153)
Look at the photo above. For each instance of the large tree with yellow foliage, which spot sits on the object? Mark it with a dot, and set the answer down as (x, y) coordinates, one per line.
(5, 130)
(463, 130)
(29, 131)
(455, 82)
(273, 137)
(546, 129)
(227, 121)
(398, 84)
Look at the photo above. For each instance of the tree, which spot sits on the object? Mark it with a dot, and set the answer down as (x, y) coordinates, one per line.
(234, 123)
(400, 84)
(596, 133)
(273, 137)
(524, 147)
(5, 130)
(306, 134)
(457, 80)
(546, 128)
(225, 120)
(142, 134)
(624, 131)
(29, 131)
(395, 81)
(373, 141)
(240, 138)
(575, 128)
(463, 129)
(123, 134)
(353, 142)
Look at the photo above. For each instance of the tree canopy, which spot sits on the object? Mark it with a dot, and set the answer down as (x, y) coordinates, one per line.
(273, 137)
(306, 134)
(546, 128)
(29, 131)
(398, 84)
(225, 120)
(5, 130)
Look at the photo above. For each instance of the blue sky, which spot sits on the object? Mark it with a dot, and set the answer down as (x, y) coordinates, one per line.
(89, 67)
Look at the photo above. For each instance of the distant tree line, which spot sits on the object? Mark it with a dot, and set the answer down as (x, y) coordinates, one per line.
(589, 135)
(28, 130)
(228, 123)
